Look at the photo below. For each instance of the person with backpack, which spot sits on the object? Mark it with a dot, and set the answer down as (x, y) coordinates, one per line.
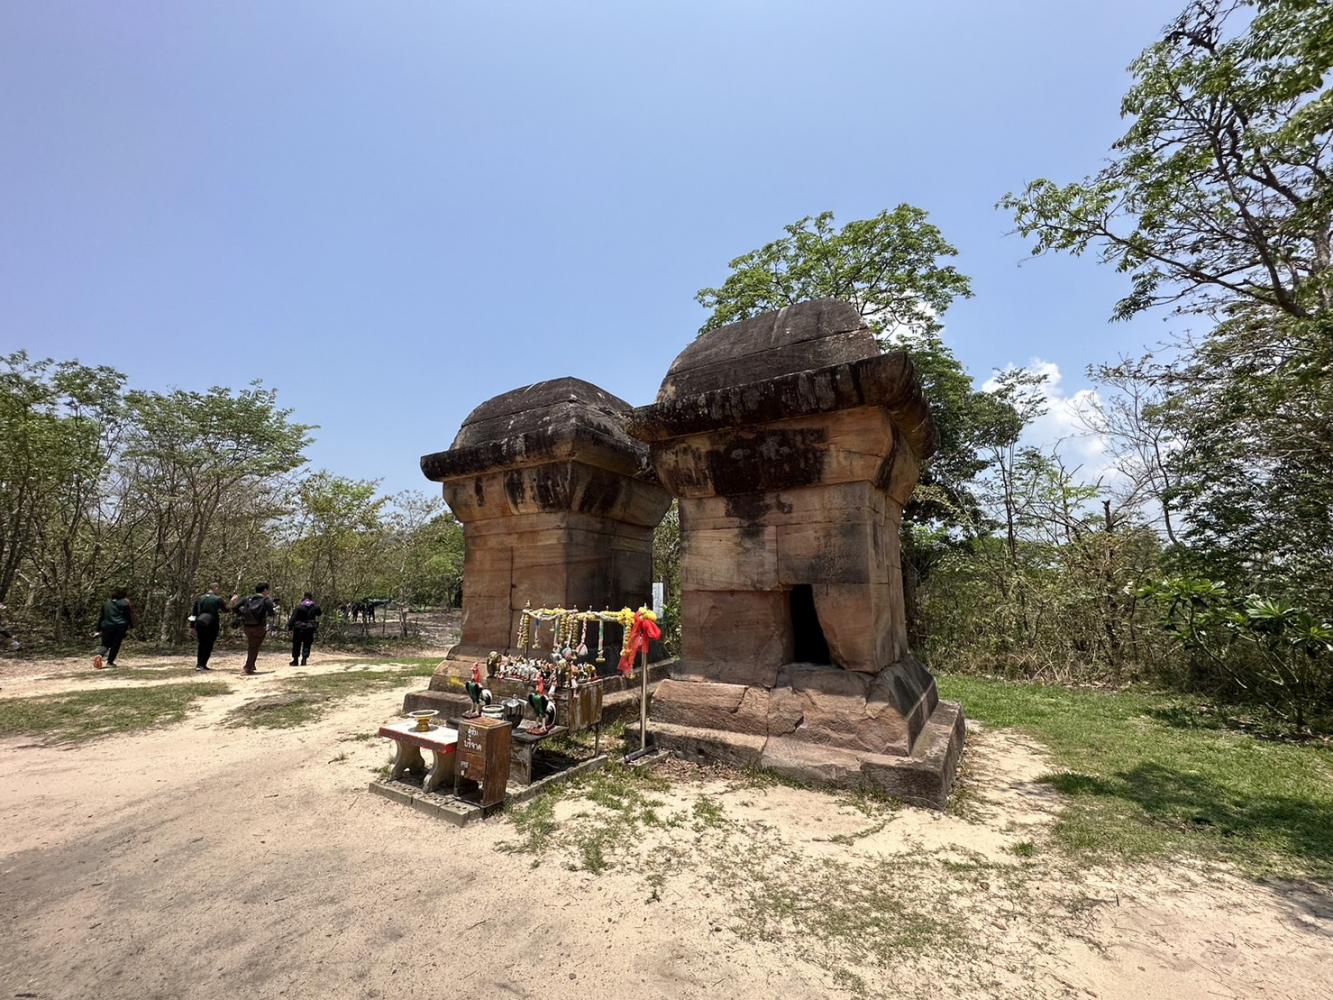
(254, 613)
(303, 623)
(9, 639)
(206, 621)
(118, 615)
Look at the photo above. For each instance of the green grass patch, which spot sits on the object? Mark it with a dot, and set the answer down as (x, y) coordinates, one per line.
(77, 716)
(1147, 775)
(126, 674)
(593, 839)
(858, 911)
(354, 681)
(867, 918)
(708, 814)
(284, 710)
(413, 666)
(304, 699)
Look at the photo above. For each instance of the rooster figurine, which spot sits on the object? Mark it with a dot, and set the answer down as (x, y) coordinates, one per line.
(544, 708)
(480, 696)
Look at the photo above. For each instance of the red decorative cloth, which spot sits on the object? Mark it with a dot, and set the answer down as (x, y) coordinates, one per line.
(643, 632)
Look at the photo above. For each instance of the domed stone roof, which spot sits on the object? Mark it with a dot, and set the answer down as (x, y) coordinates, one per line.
(810, 358)
(559, 403)
(549, 420)
(799, 338)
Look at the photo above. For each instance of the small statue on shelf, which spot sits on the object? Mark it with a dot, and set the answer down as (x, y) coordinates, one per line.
(492, 663)
(480, 696)
(544, 708)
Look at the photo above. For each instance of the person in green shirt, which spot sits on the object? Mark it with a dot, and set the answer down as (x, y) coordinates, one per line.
(118, 615)
(206, 621)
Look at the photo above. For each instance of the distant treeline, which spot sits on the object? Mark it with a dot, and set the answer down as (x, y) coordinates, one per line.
(104, 486)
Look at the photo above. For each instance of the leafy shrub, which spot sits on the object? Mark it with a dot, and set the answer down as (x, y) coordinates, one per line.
(1278, 653)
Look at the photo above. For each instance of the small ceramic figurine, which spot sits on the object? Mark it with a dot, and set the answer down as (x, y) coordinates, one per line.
(493, 663)
(480, 696)
(544, 708)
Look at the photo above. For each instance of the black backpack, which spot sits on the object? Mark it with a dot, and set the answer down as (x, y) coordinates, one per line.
(251, 610)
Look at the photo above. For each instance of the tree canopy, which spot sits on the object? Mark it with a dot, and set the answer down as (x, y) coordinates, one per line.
(1218, 201)
(1219, 191)
(887, 266)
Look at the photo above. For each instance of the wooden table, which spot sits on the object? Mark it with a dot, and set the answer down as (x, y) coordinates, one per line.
(524, 748)
(408, 744)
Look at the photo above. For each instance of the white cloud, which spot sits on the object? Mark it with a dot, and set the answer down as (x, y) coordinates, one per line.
(1063, 426)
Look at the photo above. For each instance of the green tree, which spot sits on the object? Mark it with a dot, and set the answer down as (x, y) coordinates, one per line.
(1219, 192)
(438, 573)
(31, 445)
(666, 568)
(1055, 600)
(341, 533)
(196, 460)
(887, 266)
(59, 427)
(1252, 413)
(1218, 199)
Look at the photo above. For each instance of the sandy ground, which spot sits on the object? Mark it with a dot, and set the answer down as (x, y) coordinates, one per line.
(206, 861)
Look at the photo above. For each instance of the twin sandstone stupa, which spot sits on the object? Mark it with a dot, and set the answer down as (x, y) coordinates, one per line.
(791, 442)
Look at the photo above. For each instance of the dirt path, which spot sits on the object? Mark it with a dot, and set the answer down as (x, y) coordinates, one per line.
(76, 675)
(206, 861)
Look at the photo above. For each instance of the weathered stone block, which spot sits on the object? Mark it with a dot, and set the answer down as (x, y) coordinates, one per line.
(558, 506)
(736, 636)
(792, 443)
(735, 707)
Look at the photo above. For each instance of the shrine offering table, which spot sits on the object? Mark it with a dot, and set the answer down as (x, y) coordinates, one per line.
(408, 744)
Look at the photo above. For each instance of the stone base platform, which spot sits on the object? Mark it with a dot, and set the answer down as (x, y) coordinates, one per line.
(923, 777)
(460, 812)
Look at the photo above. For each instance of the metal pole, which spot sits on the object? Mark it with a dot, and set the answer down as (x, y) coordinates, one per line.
(643, 702)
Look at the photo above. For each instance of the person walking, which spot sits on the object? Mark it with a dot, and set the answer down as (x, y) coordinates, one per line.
(118, 615)
(9, 639)
(254, 612)
(206, 622)
(303, 623)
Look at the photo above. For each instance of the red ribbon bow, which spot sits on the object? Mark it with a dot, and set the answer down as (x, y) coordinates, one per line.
(641, 634)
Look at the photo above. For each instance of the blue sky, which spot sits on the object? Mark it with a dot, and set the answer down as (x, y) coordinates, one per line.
(391, 211)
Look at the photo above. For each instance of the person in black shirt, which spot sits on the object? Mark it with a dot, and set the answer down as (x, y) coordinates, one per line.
(254, 612)
(206, 621)
(303, 624)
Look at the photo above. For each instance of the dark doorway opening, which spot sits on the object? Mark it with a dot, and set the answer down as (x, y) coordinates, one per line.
(807, 634)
